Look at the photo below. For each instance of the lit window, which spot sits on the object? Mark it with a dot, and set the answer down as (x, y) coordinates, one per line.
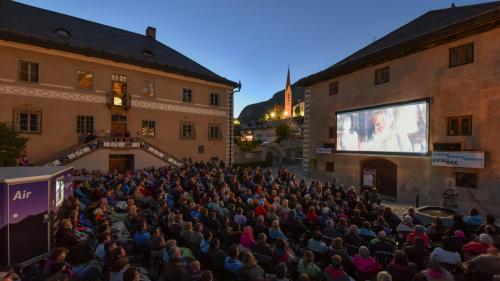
(85, 79)
(28, 71)
(148, 128)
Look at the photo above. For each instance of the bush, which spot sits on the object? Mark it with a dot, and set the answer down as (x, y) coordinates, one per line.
(11, 145)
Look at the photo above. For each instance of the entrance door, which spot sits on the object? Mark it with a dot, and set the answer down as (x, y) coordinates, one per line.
(28, 221)
(118, 125)
(381, 174)
(121, 162)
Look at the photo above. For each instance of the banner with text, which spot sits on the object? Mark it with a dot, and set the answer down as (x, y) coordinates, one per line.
(462, 159)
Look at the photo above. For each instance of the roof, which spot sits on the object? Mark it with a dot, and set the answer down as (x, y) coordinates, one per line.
(433, 26)
(19, 174)
(36, 26)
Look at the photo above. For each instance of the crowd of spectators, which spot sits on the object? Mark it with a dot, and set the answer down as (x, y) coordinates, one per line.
(205, 221)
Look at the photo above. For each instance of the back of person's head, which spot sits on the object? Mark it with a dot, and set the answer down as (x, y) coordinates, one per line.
(249, 259)
(131, 274)
(384, 276)
(215, 243)
(364, 252)
(206, 275)
(59, 253)
(195, 266)
(262, 237)
(485, 238)
(381, 235)
(400, 258)
(337, 243)
(233, 252)
(448, 243)
(308, 256)
(281, 270)
(490, 219)
(119, 264)
(336, 261)
(474, 212)
(280, 243)
(317, 235)
(419, 277)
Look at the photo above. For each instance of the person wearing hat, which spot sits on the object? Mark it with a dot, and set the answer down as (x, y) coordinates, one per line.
(478, 247)
(417, 253)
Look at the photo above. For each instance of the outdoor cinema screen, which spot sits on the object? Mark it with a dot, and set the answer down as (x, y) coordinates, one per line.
(397, 128)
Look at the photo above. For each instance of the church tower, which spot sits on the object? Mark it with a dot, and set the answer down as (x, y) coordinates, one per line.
(288, 98)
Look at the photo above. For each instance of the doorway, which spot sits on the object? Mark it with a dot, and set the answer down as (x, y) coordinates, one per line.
(118, 125)
(381, 174)
(121, 162)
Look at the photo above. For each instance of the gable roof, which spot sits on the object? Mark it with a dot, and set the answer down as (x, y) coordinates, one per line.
(433, 26)
(27, 24)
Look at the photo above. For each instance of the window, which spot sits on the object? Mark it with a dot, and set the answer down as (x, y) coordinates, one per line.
(118, 118)
(468, 180)
(119, 88)
(187, 130)
(62, 32)
(84, 124)
(214, 132)
(149, 89)
(148, 128)
(28, 71)
(214, 99)
(382, 75)
(334, 88)
(330, 166)
(461, 55)
(329, 145)
(28, 121)
(85, 79)
(460, 126)
(201, 149)
(331, 132)
(147, 52)
(187, 95)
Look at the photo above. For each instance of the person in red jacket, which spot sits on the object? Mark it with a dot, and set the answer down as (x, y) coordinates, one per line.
(475, 248)
(419, 232)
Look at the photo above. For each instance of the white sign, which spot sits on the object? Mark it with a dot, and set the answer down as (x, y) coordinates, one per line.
(323, 150)
(368, 177)
(462, 159)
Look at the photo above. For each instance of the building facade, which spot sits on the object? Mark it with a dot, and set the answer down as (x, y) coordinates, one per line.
(445, 64)
(65, 81)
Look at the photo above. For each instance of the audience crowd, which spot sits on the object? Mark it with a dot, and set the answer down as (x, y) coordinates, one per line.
(205, 221)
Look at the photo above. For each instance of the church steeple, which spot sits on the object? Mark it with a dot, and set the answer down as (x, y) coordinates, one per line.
(288, 97)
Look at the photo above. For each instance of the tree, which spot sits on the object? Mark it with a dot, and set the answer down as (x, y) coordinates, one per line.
(283, 131)
(11, 145)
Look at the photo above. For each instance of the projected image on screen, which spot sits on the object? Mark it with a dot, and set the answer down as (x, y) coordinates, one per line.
(394, 128)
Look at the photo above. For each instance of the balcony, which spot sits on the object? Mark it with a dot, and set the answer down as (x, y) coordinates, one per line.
(115, 100)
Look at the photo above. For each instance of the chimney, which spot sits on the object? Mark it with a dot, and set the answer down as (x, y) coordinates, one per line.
(151, 32)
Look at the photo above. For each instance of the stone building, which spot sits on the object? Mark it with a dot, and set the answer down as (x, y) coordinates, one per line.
(442, 72)
(135, 101)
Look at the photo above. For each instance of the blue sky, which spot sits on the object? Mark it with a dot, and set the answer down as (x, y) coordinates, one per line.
(255, 40)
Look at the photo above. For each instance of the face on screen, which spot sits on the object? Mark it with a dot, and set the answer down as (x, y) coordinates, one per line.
(398, 128)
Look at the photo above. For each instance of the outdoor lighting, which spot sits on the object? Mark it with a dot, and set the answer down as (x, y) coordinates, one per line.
(273, 114)
(285, 113)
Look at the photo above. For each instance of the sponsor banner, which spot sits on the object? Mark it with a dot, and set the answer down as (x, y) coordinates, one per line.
(460, 159)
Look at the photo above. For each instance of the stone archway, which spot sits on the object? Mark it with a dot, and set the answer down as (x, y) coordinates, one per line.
(273, 154)
(385, 175)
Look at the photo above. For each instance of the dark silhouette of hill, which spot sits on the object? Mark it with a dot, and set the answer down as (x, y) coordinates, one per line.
(254, 112)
